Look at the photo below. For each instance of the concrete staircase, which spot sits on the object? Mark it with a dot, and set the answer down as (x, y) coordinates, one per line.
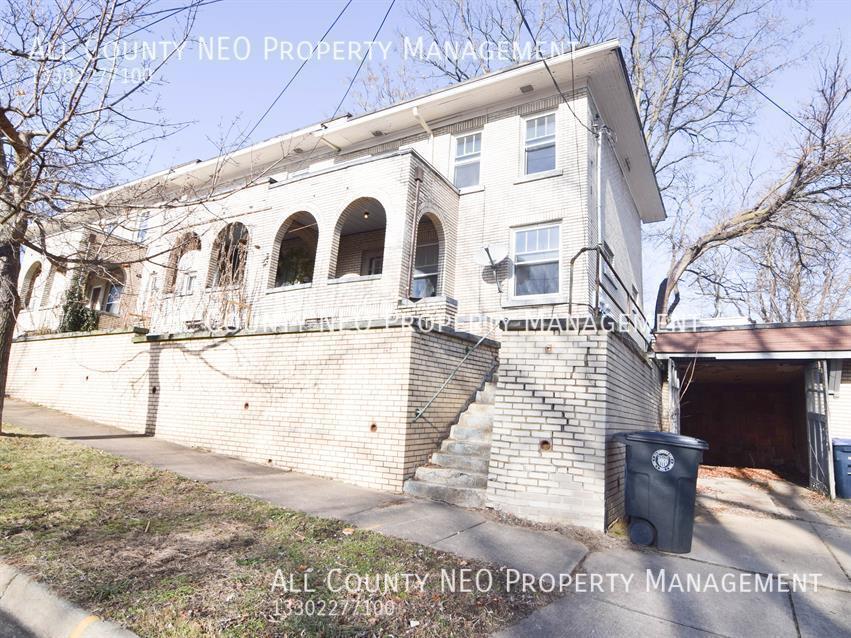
(458, 472)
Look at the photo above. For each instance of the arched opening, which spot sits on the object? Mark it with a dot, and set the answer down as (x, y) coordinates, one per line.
(230, 252)
(103, 292)
(188, 244)
(358, 246)
(428, 259)
(28, 286)
(295, 245)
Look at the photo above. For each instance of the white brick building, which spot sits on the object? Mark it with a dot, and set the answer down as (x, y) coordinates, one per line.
(383, 218)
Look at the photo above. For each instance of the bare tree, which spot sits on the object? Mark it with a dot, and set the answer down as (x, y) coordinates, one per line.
(800, 220)
(73, 118)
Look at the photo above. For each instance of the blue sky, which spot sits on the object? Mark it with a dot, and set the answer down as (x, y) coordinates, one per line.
(216, 95)
(213, 95)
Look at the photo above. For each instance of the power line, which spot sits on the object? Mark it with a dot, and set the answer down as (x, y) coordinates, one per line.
(547, 67)
(363, 59)
(731, 69)
(354, 77)
(298, 70)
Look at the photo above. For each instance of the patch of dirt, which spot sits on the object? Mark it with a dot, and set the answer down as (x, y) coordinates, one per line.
(752, 474)
(595, 541)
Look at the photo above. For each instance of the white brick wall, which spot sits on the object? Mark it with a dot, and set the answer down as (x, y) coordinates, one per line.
(574, 392)
(302, 400)
(470, 220)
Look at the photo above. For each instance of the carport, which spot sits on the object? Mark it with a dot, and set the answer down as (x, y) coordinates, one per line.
(763, 395)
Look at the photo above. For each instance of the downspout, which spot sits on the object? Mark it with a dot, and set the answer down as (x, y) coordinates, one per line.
(418, 178)
(419, 118)
(599, 128)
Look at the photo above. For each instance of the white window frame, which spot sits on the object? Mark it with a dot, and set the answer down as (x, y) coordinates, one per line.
(546, 298)
(107, 294)
(435, 274)
(538, 143)
(467, 160)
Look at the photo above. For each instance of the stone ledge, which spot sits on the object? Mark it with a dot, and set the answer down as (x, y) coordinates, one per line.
(77, 335)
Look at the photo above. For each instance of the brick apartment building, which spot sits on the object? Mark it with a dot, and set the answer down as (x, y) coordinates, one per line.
(376, 226)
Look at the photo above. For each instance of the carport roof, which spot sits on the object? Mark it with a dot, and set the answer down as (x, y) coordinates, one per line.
(804, 340)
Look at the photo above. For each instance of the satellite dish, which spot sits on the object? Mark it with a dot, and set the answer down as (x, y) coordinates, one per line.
(491, 255)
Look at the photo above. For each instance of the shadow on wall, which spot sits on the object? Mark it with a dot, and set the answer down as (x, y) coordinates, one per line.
(153, 389)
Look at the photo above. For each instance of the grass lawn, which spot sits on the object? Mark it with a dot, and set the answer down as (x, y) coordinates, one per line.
(167, 556)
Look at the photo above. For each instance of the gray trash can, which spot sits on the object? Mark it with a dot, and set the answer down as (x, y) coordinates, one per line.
(842, 467)
(661, 479)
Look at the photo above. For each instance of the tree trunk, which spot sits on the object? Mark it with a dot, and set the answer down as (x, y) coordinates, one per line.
(10, 268)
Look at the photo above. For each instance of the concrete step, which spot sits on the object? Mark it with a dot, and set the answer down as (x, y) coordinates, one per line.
(486, 395)
(461, 462)
(470, 435)
(450, 477)
(462, 496)
(451, 446)
(480, 409)
(476, 418)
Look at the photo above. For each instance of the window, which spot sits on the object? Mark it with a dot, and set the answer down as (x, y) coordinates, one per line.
(113, 298)
(468, 154)
(372, 263)
(424, 282)
(536, 261)
(425, 270)
(540, 147)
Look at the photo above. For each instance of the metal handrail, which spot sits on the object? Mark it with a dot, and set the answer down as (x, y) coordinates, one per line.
(600, 253)
(421, 411)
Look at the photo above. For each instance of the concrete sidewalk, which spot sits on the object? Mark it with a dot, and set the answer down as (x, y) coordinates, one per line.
(741, 530)
(467, 533)
(738, 532)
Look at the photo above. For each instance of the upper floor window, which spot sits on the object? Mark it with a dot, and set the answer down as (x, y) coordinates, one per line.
(536, 260)
(468, 157)
(540, 144)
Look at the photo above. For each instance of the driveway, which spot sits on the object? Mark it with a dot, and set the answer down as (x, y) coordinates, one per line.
(743, 530)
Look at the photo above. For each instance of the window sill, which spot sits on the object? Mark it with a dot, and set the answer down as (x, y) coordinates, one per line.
(536, 176)
(535, 300)
(346, 280)
(272, 291)
(471, 189)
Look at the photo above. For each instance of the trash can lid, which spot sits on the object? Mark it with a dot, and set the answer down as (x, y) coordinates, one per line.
(664, 438)
(841, 442)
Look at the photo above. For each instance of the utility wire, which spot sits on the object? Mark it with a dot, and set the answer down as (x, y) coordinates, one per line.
(363, 59)
(296, 74)
(731, 69)
(547, 67)
(352, 81)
